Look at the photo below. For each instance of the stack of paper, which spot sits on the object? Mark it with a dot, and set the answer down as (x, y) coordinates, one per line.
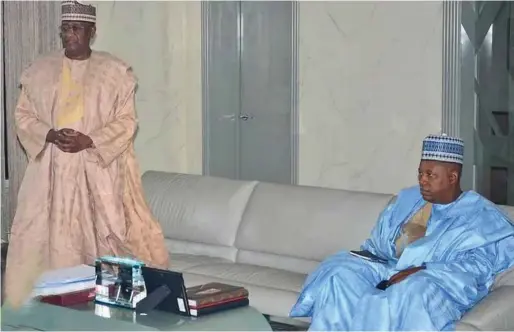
(66, 280)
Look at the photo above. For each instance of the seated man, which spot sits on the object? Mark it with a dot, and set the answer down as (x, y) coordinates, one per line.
(440, 251)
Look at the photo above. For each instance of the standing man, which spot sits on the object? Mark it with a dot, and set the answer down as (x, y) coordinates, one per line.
(81, 196)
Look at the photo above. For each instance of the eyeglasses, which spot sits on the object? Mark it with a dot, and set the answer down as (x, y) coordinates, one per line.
(75, 28)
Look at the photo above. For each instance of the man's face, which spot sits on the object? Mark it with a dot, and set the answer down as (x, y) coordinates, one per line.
(436, 180)
(76, 37)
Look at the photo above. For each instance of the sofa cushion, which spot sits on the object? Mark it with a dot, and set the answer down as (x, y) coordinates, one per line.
(298, 265)
(494, 312)
(506, 278)
(509, 210)
(252, 274)
(197, 208)
(183, 262)
(307, 222)
(200, 249)
(268, 300)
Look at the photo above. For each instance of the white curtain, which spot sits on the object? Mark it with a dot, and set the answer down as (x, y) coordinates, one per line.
(30, 29)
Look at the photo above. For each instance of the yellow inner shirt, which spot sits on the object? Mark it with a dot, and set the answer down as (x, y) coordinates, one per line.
(71, 103)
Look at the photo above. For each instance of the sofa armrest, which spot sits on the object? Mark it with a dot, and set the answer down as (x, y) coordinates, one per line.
(493, 313)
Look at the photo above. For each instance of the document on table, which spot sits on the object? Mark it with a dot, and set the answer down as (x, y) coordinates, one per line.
(65, 280)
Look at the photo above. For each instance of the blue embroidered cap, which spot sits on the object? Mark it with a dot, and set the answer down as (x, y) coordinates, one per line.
(443, 148)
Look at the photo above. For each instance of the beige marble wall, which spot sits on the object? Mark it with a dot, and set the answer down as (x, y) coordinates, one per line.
(370, 86)
(162, 41)
(370, 90)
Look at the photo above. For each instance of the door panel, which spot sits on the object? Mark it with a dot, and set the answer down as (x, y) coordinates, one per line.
(221, 92)
(248, 90)
(266, 63)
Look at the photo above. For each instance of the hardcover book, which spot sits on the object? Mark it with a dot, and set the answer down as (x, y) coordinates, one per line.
(210, 309)
(212, 293)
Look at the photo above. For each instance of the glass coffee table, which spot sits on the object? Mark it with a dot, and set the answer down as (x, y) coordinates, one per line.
(95, 317)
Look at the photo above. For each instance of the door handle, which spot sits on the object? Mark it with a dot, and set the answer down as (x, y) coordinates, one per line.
(245, 117)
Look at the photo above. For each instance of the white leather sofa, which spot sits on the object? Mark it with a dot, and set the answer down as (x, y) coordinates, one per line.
(268, 237)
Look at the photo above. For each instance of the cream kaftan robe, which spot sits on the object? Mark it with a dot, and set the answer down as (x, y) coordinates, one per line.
(75, 207)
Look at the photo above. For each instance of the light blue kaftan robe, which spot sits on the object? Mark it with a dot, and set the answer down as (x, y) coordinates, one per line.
(467, 243)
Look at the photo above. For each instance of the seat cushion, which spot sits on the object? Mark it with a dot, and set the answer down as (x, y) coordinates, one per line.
(183, 262)
(272, 291)
(252, 275)
(493, 313)
(506, 278)
(268, 300)
(200, 249)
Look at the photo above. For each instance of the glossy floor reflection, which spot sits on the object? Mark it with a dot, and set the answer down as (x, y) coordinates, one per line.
(280, 326)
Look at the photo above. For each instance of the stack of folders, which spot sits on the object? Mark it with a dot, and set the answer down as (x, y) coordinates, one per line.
(214, 297)
(66, 286)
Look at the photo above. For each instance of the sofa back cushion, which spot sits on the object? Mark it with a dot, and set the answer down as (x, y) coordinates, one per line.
(507, 277)
(509, 210)
(307, 222)
(197, 208)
